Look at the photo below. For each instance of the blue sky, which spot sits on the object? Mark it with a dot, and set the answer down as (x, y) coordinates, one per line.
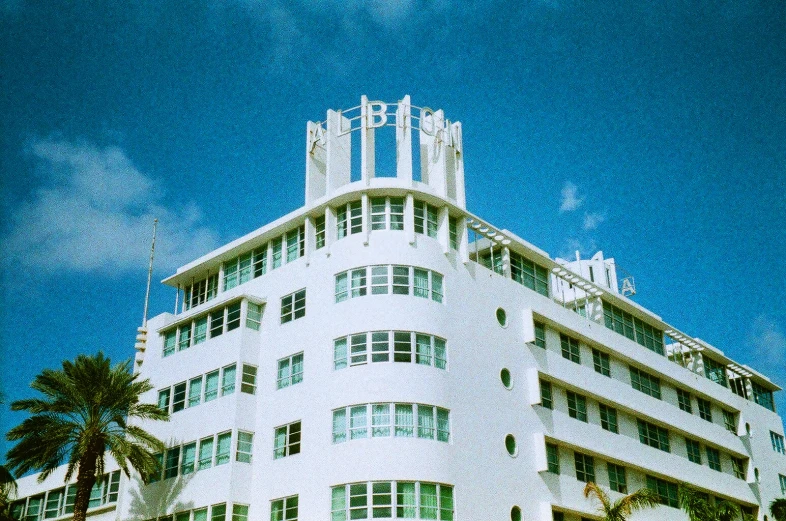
(655, 131)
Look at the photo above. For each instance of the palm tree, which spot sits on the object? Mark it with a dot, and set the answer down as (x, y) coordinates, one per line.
(699, 508)
(83, 413)
(778, 509)
(7, 493)
(624, 506)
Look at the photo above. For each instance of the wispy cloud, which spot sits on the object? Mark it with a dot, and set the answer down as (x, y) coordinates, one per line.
(570, 199)
(585, 247)
(769, 342)
(592, 220)
(95, 212)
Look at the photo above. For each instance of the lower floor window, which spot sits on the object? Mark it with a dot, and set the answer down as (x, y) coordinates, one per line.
(665, 490)
(392, 499)
(284, 509)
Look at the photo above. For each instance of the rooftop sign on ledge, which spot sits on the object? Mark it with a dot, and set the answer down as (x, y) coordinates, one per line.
(439, 145)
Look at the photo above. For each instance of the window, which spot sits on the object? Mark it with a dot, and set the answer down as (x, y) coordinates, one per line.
(205, 453)
(546, 399)
(426, 219)
(585, 467)
(453, 232)
(738, 466)
(163, 399)
(432, 422)
(293, 306)
(239, 513)
(287, 440)
(540, 335)
(34, 508)
(713, 459)
(552, 458)
(296, 243)
(694, 450)
(392, 499)
(228, 380)
(53, 500)
(557, 515)
(683, 400)
(276, 246)
(730, 421)
(429, 350)
(617, 478)
(188, 461)
(626, 324)
(218, 512)
(184, 339)
(245, 267)
(200, 292)
(715, 371)
(290, 371)
(349, 219)
(782, 478)
(284, 509)
(357, 283)
(762, 396)
(319, 230)
(248, 382)
(645, 382)
(195, 391)
(705, 409)
(529, 274)
(211, 386)
(777, 442)
(653, 436)
(169, 343)
(172, 462)
(245, 445)
(387, 279)
(223, 443)
(216, 323)
(387, 213)
(737, 385)
(665, 490)
(570, 348)
(179, 397)
(601, 362)
(608, 418)
(577, 406)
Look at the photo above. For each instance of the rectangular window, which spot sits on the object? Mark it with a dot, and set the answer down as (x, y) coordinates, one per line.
(239, 513)
(339, 425)
(665, 490)
(188, 462)
(169, 343)
(205, 453)
(184, 338)
(382, 500)
(380, 419)
(53, 500)
(426, 427)
(443, 425)
(223, 446)
(218, 512)
(340, 353)
(715, 371)
(163, 399)
(529, 274)
(645, 382)
(632, 327)
(378, 213)
(70, 499)
(546, 399)
(245, 446)
(402, 346)
(276, 246)
(200, 330)
(290, 371)
(341, 222)
(405, 421)
(440, 353)
(738, 466)
(608, 418)
(287, 440)
(585, 467)
(355, 217)
(200, 514)
(436, 287)
(172, 462)
(762, 396)
(777, 442)
(396, 213)
(730, 421)
(401, 280)
(683, 400)
(713, 459)
(228, 379)
(284, 509)
(617, 478)
(601, 362)
(341, 287)
(570, 348)
(34, 508)
(179, 397)
(295, 243)
(211, 386)
(248, 382)
(357, 282)
(319, 229)
(379, 280)
(783, 484)
(259, 261)
(426, 219)
(694, 450)
(380, 346)
(705, 409)
(540, 335)
(358, 349)
(577, 406)
(552, 458)
(293, 306)
(421, 283)
(216, 323)
(423, 349)
(453, 233)
(358, 422)
(654, 436)
(233, 316)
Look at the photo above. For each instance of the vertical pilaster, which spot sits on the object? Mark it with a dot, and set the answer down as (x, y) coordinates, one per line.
(330, 228)
(365, 216)
(409, 218)
(338, 154)
(463, 234)
(458, 158)
(443, 232)
(404, 140)
(432, 151)
(366, 142)
(316, 181)
(506, 262)
(311, 239)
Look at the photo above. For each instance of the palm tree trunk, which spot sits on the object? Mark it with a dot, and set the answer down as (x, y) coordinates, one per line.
(84, 485)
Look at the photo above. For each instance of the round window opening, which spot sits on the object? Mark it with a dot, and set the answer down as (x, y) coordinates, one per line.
(502, 317)
(510, 444)
(504, 375)
(515, 514)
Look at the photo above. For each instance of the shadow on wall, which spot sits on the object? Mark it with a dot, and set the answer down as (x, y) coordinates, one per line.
(157, 499)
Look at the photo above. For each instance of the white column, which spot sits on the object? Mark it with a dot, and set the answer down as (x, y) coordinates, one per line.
(409, 218)
(463, 236)
(315, 162)
(311, 239)
(432, 153)
(330, 228)
(443, 232)
(365, 217)
(338, 156)
(404, 140)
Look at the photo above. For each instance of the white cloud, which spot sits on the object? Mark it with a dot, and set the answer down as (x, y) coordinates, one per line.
(95, 212)
(586, 248)
(570, 199)
(768, 341)
(592, 220)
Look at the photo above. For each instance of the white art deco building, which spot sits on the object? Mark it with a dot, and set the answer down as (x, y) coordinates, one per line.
(383, 353)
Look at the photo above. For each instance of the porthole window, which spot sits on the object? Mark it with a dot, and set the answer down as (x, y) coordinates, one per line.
(756, 474)
(510, 444)
(502, 317)
(748, 428)
(515, 514)
(507, 381)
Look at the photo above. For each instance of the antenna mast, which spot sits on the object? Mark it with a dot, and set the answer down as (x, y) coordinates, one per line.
(150, 272)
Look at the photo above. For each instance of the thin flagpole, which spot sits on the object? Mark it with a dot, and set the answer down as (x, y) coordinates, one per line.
(150, 272)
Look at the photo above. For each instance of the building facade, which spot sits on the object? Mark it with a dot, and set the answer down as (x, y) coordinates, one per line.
(383, 353)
